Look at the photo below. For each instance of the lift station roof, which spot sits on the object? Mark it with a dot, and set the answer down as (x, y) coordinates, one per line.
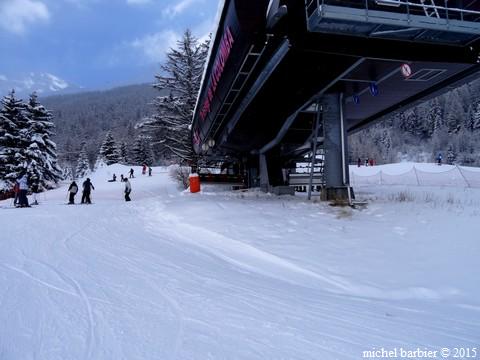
(271, 60)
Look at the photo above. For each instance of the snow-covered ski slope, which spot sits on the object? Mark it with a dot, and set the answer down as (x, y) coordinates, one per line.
(232, 275)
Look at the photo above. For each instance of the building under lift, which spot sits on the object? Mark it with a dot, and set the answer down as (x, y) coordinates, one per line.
(285, 76)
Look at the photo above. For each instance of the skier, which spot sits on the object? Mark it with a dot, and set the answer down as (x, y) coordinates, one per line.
(128, 190)
(114, 178)
(121, 177)
(149, 171)
(87, 188)
(72, 191)
(35, 188)
(366, 162)
(23, 186)
(359, 162)
(131, 174)
(439, 159)
(144, 169)
(16, 191)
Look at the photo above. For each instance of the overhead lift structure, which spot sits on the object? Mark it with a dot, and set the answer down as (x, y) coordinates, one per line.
(275, 64)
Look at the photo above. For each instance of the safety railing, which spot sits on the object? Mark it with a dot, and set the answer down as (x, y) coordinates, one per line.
(441, 9)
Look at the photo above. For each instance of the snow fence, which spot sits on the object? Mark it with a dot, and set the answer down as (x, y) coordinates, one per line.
(455, 177)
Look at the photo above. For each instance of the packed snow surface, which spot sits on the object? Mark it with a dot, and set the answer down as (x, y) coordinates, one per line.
(237, 275)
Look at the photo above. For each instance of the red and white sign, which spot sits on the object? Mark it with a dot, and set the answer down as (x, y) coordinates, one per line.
(406, 70)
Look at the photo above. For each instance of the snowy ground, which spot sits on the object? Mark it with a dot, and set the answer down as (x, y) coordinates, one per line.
(231, 275)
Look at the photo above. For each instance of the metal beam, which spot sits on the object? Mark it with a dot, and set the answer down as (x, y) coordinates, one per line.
(289, 121)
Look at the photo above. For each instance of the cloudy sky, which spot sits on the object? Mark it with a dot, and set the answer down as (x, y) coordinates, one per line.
(95, 44)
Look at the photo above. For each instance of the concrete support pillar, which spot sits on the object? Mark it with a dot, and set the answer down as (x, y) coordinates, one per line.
(336, 149)
(264, 180)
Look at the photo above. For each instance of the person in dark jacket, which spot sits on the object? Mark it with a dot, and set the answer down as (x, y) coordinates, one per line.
(35, 189)
(87, 189)
(16, 191)
(131, 174)
(128, 189)
(72, 191)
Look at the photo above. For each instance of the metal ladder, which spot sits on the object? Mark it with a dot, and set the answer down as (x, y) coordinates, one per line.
(248, 66)
(315, 164)
(430, 9)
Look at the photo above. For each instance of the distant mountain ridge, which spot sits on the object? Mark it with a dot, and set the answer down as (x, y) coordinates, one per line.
(43, 84)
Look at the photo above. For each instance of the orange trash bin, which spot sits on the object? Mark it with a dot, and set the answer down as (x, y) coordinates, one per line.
(194, 183)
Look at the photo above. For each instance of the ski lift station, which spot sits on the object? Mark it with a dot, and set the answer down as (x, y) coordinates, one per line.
(289, 79)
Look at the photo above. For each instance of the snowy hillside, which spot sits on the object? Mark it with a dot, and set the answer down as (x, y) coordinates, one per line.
(237, 275)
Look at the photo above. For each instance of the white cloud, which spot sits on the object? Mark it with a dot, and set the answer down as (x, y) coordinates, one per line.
(138, 2)
(16, 15)
(179, 7)
(155, 46)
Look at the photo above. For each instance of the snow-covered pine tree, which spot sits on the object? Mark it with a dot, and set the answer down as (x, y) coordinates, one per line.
(83, 166)
(123, 153)
(108, 151)
(170, 125)
(142, 151)
(451, 154)
(13, 138)
(454, 113)
(475, 124)
(41, 154)
(434, 118)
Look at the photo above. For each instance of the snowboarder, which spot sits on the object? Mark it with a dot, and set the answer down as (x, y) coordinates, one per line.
(23, 186)
(439, 159)
(72, 191)
(121, 177)
(87, 188)
(114, 178)
(128, 190)
(149, 171)
(144, 169)
(131, 174)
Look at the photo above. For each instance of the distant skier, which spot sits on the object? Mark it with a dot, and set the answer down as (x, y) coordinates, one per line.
(359, 162)
(87, 189)
(72, 191)
(144, 169)
(366, 162)
(114, 178)
(23, 186)
(128, 190)
(121, 177)
(131, 174)
(149, 171)
(35, 189)
(16, 191)
(439, 159)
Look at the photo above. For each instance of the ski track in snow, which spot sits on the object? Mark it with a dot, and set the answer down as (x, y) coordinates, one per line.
(230, 276)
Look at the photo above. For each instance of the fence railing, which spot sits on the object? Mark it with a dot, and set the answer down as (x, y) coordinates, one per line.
(442, 9)
(455, 177)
